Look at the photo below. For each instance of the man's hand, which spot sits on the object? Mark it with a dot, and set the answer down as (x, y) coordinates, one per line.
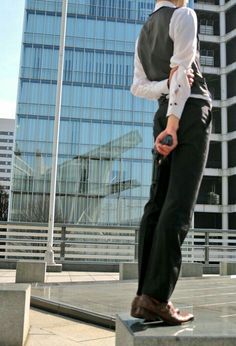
(171, 129)
(190, 76)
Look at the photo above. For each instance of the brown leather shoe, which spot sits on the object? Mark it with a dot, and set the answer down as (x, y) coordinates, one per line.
(165, 311)
(139, 312)
(171, 305)
(136, 310)
(135, 306)
(135, 300)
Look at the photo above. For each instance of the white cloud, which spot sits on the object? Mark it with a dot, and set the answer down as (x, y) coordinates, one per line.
(7, 109)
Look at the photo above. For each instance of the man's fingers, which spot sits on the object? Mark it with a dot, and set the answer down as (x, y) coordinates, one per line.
(190, 76)
(191, 81)
(164, 149)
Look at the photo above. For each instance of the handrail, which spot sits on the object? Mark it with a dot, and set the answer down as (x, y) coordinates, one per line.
(28, 225)
(68, 240)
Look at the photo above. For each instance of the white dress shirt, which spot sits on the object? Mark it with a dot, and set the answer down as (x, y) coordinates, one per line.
(183, 32)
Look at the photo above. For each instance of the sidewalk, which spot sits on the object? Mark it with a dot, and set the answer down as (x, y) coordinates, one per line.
(48, 329)
(52, 330)
(7, 275)
(212, 300)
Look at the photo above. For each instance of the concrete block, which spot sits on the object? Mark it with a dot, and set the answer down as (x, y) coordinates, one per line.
(124, 335)
(191, 270)
(128, 271)
(227, 268)
(14, 314)
(207, 331)
(54, 268)
(211, 268)
(30, 271)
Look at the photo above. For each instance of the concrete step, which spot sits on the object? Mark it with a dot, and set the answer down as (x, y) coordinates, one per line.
(129, 270)
(227, 268)
(206, 330)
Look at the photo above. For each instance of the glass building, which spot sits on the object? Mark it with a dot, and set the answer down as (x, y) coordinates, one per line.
(104, 165)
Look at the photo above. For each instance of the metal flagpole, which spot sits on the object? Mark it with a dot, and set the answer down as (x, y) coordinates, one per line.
(49, 254)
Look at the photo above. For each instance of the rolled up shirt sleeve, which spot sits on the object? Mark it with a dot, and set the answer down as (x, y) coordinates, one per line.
(142, 86)
(183, 31)
(179, 92)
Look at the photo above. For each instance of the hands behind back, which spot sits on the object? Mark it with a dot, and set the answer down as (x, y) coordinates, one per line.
(172, 123)
(171, 129)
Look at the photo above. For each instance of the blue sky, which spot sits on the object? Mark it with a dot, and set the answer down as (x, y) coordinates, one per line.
(11, 24)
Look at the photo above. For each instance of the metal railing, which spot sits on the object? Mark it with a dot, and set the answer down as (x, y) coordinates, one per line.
(207, 60)
(206, 29)
(89, 244)
(71, 242)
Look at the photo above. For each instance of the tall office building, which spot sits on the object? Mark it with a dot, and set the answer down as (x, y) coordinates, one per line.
(104, 166)
(217, 198)
(7, 127)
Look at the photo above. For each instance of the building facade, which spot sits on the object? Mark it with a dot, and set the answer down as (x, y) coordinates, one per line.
(104, 165)
(105, 162)
(217, 199)
(7, 127)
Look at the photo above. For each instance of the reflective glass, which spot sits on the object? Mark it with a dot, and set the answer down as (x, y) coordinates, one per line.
(104, 163)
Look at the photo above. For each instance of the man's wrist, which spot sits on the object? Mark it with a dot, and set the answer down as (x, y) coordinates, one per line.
(173, 122)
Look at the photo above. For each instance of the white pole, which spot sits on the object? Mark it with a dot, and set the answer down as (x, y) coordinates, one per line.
(49, 254)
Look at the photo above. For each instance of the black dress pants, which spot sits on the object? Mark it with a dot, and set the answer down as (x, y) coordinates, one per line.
(174, 189)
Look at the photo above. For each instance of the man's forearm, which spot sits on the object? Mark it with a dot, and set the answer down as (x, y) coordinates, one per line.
(173, 122)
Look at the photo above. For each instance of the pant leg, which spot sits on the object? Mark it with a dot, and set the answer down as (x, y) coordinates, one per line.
(187, 164)
(150, 219)
(152, 209)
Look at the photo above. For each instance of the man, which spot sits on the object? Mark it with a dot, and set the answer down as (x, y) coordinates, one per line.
(166, 68)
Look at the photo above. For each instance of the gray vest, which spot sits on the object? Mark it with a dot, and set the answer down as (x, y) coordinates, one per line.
(155, 49)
